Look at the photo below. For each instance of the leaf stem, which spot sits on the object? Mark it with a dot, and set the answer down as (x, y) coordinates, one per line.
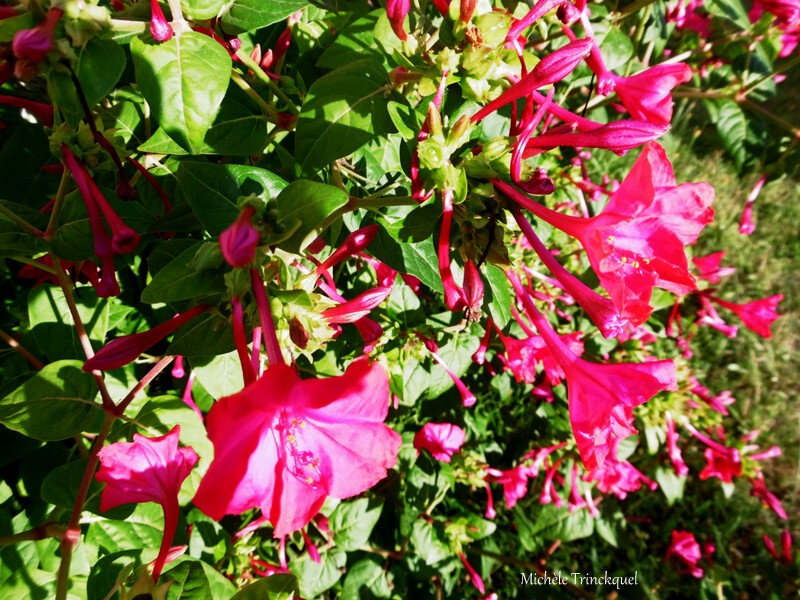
(263, 104)
(262, 75)
(40, 532)
(66, 287)
(143, 383)
(73, 531)
(4, 210)
(37, 364)
(62, 190)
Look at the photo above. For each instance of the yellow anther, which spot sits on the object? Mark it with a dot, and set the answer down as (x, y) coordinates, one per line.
(301, 423)
(646, 261)
(309, 480)
(611, 239)
(635, 264)
(624, 259)
(291, 439)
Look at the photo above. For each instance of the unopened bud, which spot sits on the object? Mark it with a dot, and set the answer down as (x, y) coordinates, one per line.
(466, 10)
(433, 120)
(298, 333)
(473, 291)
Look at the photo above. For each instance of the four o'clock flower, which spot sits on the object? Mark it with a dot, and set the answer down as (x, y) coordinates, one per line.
(760, 491)
(442, 440)
(674, 450)
(357, 308)
(710, 269)
(757, 315)
(160, 29)
(617, 136)
(601, 396)
(147, 470)
(618, 477)
(125, 349)
(646, 95)
(397, 10)
(637, 241)
(239, 242)
(284, 444)
(453, 295)
(473, 291)
(35, 44)
(684, 548)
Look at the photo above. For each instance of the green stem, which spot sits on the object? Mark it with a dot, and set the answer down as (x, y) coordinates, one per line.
(259, 72)
(37, 364)
(761, 80)
(40, 532)
(73, 532)
(122, 26)
(268, 109)
(4, 210)
(379, 202)
(62, 190)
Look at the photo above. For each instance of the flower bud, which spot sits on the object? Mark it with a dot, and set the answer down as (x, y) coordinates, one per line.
(298, 333)
(34, 44)
(240, 241)
(397, 10)
(433, 120)
(160, 29)
(466, 10)
(473, 291)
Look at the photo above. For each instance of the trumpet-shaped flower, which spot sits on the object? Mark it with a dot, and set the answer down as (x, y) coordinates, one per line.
(442, 440)
(147, 470)
(284, 444)
(637, 241)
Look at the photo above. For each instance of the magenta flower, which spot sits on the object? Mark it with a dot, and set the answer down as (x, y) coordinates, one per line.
(618, 477)
(357, 308)
(710, 269)
(397, 10)
(746, 225)
(514, 482)
(674, 450)
(147, 470)
(442, 440)
(474, 576)
(352, 245)
(284, 444)
(684, 548)
(721, 462)
(770, 500)
(601, 396)
(757, 315)
(617, 136)
(646, 95)
(552, 68)
(160, 29)
(35, 44)
(122, 350)
(453, 295)
(473, 291)
(239, 242)
(637, 241)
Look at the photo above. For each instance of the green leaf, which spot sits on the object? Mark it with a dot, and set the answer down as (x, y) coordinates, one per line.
(498, 296)
(616, 47)
(429, 541)
(352, 522)
(169, 76)
(222, 376)
(142, 529)
(181, 279)
(239, 130)
(729, 9)
(239, 16)
(212, 190)
(282, 586)
(55, 404)
(315, 578)
(731, 124)
(202, 338)
(201, 10)
(606, 530)
(366, 580)
(352, 44)
(109, 571)
(306, 208)
(552, 523)
(342, 111)
(60, 488)
(670, 484)
(196, 580)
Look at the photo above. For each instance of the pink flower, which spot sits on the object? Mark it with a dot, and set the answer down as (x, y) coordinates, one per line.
(125, 349)
(760, 491)
(160, 29)
(284, 444)
(724, 465)
(617, 136)
(746, 225)
(514, 482)
(787, 11)
(684, 548)
(674, 450)
(710, 269)
(618, 477)
(147, 470)
(552, 68)
(442, 440)
(397, 10)
(35, 44)
(757, 315)
(474, 576)
(637, 241)
(453, 295)
(473, 292)
(357, 308)
(646, 95)
(601, 396)
(239, 242)
(353, 244)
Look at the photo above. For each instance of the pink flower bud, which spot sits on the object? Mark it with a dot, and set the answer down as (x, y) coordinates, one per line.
(473, 291)
(353, 243)
(239, 242)
(34, 44)
(160, 29)
(466, 9)
(397, 10)
(358, 307)
(125, 349)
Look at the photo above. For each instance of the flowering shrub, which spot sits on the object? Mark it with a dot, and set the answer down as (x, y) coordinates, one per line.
(362, 301)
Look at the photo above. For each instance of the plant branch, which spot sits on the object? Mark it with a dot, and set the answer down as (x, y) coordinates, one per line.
(72, 533)
(37, 364)
(62, 190)
(51, 529)
(66, 287)
(143, 383)
(4, 210)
